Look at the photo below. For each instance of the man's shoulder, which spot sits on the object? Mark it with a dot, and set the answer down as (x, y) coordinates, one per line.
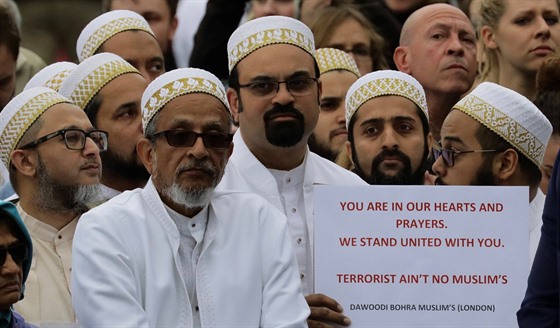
(327, 172)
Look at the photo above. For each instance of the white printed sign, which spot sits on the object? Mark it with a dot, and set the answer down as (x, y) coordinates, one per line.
(423, 256)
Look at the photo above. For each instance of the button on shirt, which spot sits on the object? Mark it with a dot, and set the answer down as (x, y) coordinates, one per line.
(192, 232)
(47, 289)
(290, 187)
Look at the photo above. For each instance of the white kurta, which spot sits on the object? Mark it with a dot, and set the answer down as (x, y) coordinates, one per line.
(245, 172)
(127, 270)
(47, 289)
(536, 207)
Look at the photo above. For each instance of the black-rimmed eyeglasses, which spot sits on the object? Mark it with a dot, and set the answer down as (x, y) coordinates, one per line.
(19, 253)
(184, 138)
(75, 139)
(448, 155)
(297, 87)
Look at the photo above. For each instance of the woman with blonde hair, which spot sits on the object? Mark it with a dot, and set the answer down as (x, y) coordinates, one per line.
(517, 36)
(347, 29)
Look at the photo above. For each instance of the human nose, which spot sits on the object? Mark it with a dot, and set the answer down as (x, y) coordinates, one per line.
(269, 8)
(390, 139)
(283, 95)
(198, 149)
(455, 46)
(91, 148)
(10, 266)
(438, 167)
(543, 29)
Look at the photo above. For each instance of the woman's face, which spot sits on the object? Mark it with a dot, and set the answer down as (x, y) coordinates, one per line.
(352, 37)
(527, 33)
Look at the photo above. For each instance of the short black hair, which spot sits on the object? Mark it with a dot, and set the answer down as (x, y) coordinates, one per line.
(9, 33)
(488, 139)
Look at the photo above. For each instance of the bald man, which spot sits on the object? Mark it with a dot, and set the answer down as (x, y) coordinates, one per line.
(438, 48)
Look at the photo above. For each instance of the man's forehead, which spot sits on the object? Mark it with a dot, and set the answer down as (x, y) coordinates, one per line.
(459, 127)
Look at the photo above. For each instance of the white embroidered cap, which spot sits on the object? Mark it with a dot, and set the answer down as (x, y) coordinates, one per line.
(51, 76)
(264, 31)
(511, 116)
(101, 28)
(177, 83)
(20, 114)
(331, 59)
(384, 83)
(91, 75)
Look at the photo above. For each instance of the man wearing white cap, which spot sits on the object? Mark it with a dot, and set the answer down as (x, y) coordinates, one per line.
(438, 47)
(338, 72)
(175, 253)
(389, 136)
(52, 152)
(127, 34)
(495, 137)
(109, 90)
(274, 95)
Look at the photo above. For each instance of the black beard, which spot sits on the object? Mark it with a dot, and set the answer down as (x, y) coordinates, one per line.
(321, 149)
(128, 169)
(404, 177)
(284, 133)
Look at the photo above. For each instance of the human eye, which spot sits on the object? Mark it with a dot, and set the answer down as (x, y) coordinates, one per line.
(361, 50)
(74, 137)
(437, 36)
(551, 20)
(371, 130)
(404, 127)
(522, 21)
(156, 67)
(299, 84)
(262, 87)
(329, 105)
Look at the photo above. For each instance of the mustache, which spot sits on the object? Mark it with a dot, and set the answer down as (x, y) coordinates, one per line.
(279, 109)
(392, 152)
(197, 164)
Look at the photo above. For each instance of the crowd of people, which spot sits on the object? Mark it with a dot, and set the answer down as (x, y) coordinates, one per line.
(140, 193)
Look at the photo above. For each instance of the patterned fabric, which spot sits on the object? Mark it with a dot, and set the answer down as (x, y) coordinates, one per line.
(92, 75)
(20, 113)
(384, 83)
(104, 27)
(51, 76)
(511, 116)
(265, 31)
(331, 59)
(177, 83)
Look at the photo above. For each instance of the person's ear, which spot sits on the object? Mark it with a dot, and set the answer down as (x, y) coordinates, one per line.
(25, 161)
(402, 57)
(146, 152)
(505, 164)
(233, 100)
(488, 37)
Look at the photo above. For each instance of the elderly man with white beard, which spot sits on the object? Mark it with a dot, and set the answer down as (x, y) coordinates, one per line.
(52, 153)
(176, 253)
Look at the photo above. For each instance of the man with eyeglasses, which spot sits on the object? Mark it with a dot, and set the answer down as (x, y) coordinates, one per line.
(495, 137)
(109, 90)
(15, 263)
(52, 153)
(176, 253)
(274, 95)
(388, 132)
(438, 47)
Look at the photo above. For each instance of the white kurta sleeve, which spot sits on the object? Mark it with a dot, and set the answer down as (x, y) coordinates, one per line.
(283, 301)
(104, 286)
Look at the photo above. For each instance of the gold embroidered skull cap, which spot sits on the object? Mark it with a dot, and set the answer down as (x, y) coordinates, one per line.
(20, 114)
(265, 31)
(384, 83)
(51, 76)
(103, 27)
(91, 75)
(511, 116)
(332, 59)
(177, 83)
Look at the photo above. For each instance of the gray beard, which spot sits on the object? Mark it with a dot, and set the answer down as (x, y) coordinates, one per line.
(54, 196)
(192, 198)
